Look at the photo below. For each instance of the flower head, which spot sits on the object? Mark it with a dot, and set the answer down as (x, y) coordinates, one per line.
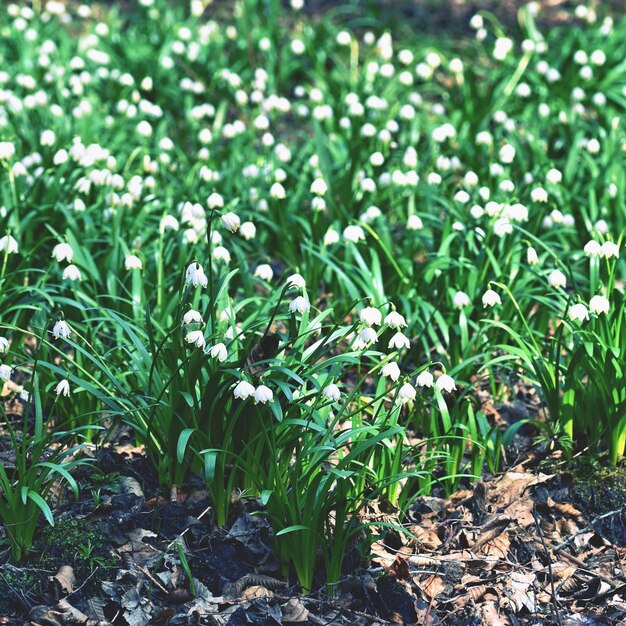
(371, 316)
(445, 383)
(195, 275)
(71, 272)
(406, 393)
(391, 370)
(332, 392)
(264, 272)
(63, 252)
(192, 317)
(399, 340)
(5, 372)
(491, 298)
(557, 279)
(424, 379)
(8, 245)
(231, 221)
(196, 337)
(63, 388)
(299, 305)
(460, 300)
(354, 234)
(366, 337)
(263, 394)
(578, 312)
(219, 352)
(243, 390)
(133, 262)
(61, 329)
(599, 304)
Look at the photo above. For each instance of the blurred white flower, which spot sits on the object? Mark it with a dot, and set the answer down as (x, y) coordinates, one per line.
(406, 393)
(354, 234)
(63, 252)
(264, 272)
(133, 262)
(332, 391)
(331, 237)
(61, 329)
(196, 337)
(599, 304)
(557, 279)
(445, 383)
(63, 388)
(299, 305)
(5, 372)
(220, 253)
(4, 345)
(578, 312)
(491, 298)
(219, 352)
(366, 337)
(609, 249)
(460, 300)
(391, 370)
(414, 223)
(531, 256)
(507, 153)
(8, 245)
(554, 176)
(424, 379)
(248, 230)
(296, 281)
(71, 272)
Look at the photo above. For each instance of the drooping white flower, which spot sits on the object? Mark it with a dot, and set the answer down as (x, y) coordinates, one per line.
(592, 248)
(243, 390)
(319, 187)
(398, 341)
(219, 352)
(578, 312)
(491, 298)
(63, 388)
(215, 201)
(445, 383)
(8, 245)
(133, 262)
(263, 394)
(5, 372)
(71, 272)
(507, 153)
(264, 272)
(365, 338)
(554, 176)
(63, 252)
(354, 234)
(531, 256)
(406, 393)
(557, 279)
(196, 337)
(391, 370)
(414, 223)
(539, 194)
(296, 281)
(395, 320)
(4, 345)
(220, 253)
(299, 305)
(61, 329)
(371, 316)
(192, 317)
(248, 230)
(331, 237)
(231, 221)
(460, 300)
(195, 275)
(599, 304)
(424, 379)
(332, 391)
(609, 249)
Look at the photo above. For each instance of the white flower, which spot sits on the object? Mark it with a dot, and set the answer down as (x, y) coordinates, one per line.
(354, 234)
(192, 317)
(71, 272)
(491, 298)
(578, 312)
(248, 230)
(297, 281)
(460, 300)
(539, 194)
(196, 337)
(557, 279)
(399, 340)
(231, 221)
(366, 337)
(554, 176)
(278, 191)
(425, 379)
(63, 388)
(414, 223)
(371, 316)
(219, 352)
(391, 370)
(220, 253)
(332, 391)
(4, 345)
(195, 275)
(215, 201)
(599, 304)
(331, 237)
(299, 305)
(445, 383)
(319, 187)
(63, 251)
(531, 256)
(7, 149)
(133, 262)
(263, 394)
(5, 372)
(243, 390)
(264, 272)
(406, 393)
(395, 320)
(61, 329)
(168, 222)
(609, 249)
(8, 245)
(592, 248)
(507, 153)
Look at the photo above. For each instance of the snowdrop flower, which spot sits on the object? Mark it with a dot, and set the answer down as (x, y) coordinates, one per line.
(192, 317)
(391, 370)
(414, 223)
(491, 298)
(395, 320)
(231, 221)
(61, 329)
(263, 394)
(507, 153)
(599, 304)
(598, 57)
(278, 192)
(354, 234)
(63, 388)
(531, 256)
(4, 345)
(319, 187)
(71, 272)
(215, 201)
(195, 275)
(7, 150)
(554, 176)
(168, 222)
(366, 337)
(446, 383)
(371, 316)
(248, 230)
(332, 392)
(425, 379)
(398, 341)
(219, 352)
(406, 393)
(243, 390)
(296, 281)
(609, 249)
(133, 262)
(460, 300)
(299, 305)
(62, 252)
(8, 245)
(592, 248)
(578, 312)
(5, 372)
(220, 253)
(539, 194)
(264, 272)
(557, 279)
(196, 337)
(331, 237)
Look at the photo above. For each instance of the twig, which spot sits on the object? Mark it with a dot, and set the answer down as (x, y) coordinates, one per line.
(587, 528)
(84, 583)
(555, 602)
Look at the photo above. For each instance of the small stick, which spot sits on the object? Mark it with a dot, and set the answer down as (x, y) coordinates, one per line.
(586, 528)
(555, 602)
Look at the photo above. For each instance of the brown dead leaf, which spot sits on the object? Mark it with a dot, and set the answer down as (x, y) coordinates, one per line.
(400, 568)
(518, 591)
(432, 586)
(256, 591)
(64, 580)
(294, 611)
(491, 617)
